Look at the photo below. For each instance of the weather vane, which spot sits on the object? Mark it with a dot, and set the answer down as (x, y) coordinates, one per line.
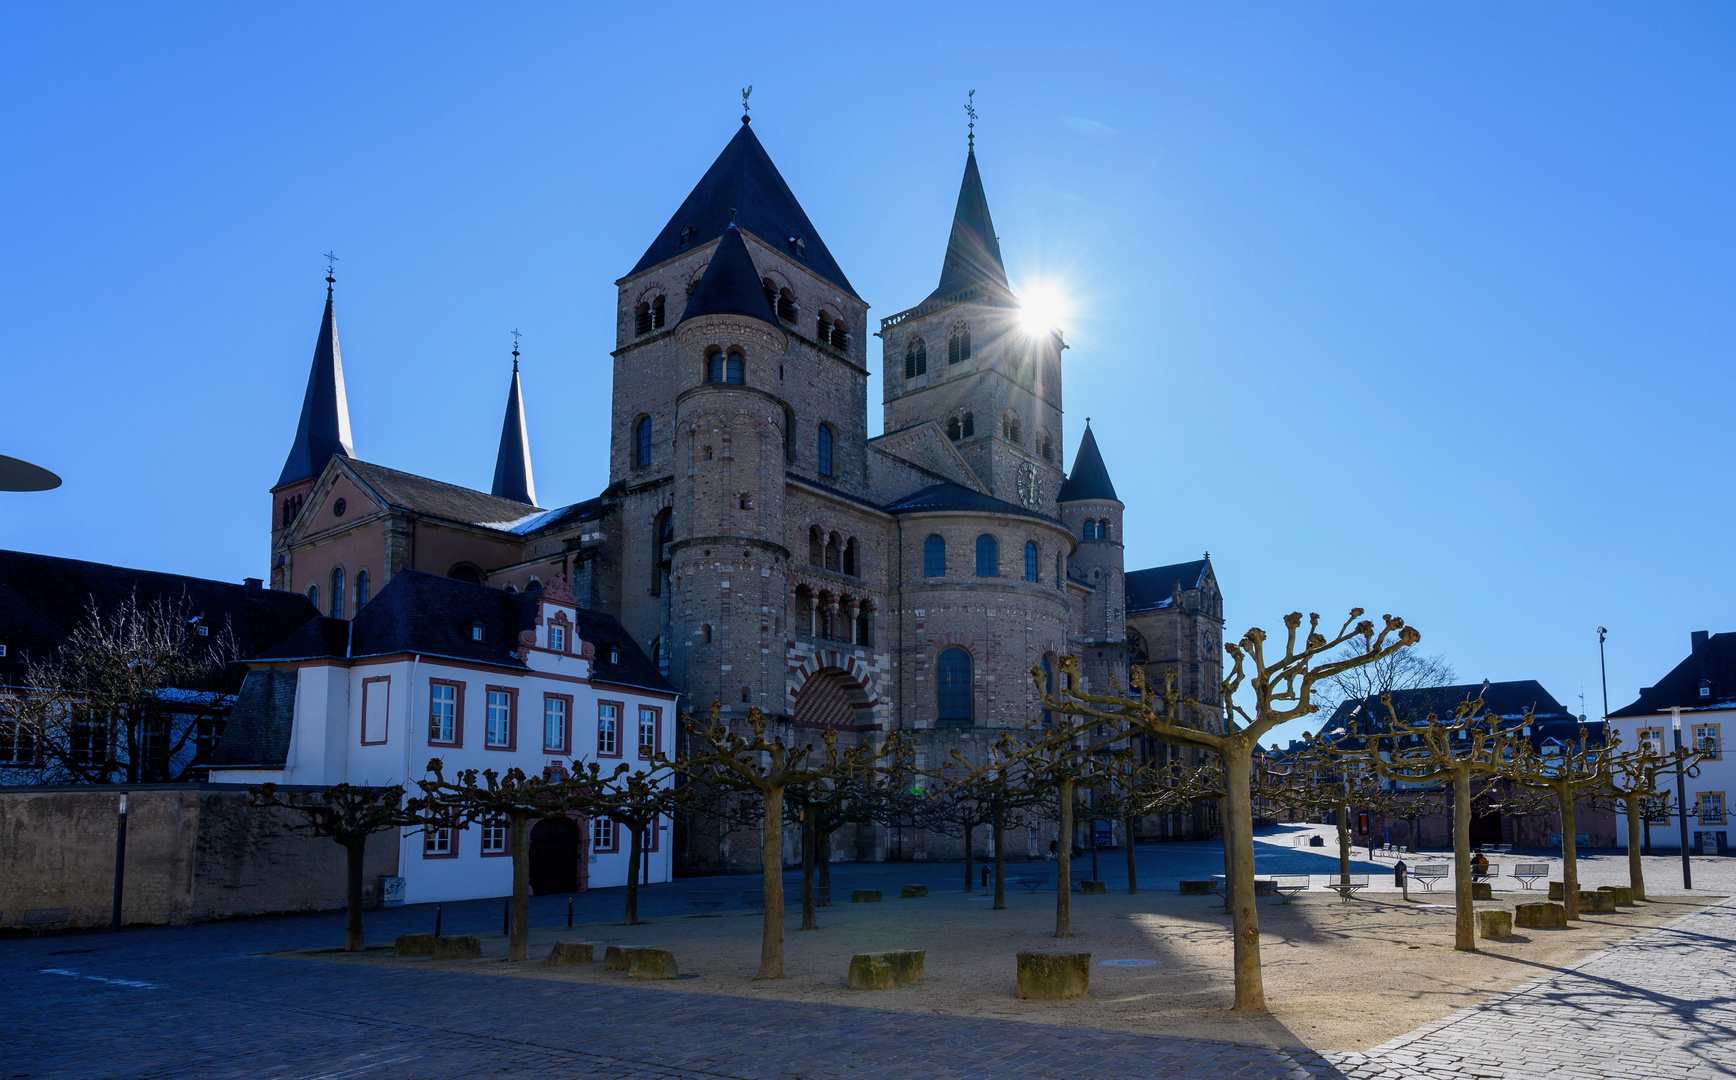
(515, 336)
(745, 94)
(331, 260)
(970, 111)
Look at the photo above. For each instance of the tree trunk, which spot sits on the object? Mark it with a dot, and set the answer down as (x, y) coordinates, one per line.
(1344, 845)
(772, 881)
(808, 840)
(353, 940)
(1636, 872)
(1000, 828)
(1132, 871)
(1569, 852)
(635, 852)
(518, 944)
(1064, 863)
(1239, 887)
(824, 858)
(1464, 914)
(969, 827)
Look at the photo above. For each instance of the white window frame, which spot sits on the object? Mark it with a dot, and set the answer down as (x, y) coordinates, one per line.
(443, 710)
(555, 713)
(498, 718)
(437, 841)
(558, 638)
(608, 728)
(494, 837)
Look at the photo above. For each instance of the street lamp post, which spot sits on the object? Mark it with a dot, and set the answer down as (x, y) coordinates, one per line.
(120, 863)
(1681, 794)
(1603, 671)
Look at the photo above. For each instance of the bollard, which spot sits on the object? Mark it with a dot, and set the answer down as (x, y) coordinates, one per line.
(569, 913)
(436, 920)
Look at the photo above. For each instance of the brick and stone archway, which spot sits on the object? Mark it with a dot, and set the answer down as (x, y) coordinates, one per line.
(832, 691)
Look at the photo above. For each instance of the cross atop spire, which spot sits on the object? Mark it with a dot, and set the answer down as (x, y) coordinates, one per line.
(970, 111)
(330, 280)
(515, 336)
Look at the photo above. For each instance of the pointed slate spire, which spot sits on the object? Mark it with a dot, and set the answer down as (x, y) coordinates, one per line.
(512, 479)
(1090, 477)
(730, 285)
(324, 429)
(973, 255)
(744, 185)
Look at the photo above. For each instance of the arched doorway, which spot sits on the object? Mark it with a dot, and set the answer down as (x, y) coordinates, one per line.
(1485, 829)
(823, 702)
(554, 856)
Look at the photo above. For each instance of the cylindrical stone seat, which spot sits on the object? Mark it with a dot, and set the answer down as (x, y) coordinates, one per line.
(1054, 976)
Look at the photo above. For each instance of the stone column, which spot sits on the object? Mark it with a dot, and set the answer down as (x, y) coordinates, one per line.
(855, 608)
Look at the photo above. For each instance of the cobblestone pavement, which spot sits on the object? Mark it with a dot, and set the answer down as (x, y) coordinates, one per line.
(1658, 1006)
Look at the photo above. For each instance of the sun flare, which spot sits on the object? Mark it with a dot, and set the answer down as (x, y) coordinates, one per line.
(1043, 306)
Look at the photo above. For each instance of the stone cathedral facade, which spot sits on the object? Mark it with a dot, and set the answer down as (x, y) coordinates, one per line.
(756, 542)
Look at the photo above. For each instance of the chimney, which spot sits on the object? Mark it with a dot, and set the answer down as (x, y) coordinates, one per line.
(1697, 639)
(254, 586)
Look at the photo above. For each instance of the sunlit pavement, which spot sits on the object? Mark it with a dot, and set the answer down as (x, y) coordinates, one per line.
(199, 1001)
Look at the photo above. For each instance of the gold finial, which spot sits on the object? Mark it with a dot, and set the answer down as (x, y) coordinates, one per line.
(970, 111)
(331, 260)
(746, 93)
(515, 336)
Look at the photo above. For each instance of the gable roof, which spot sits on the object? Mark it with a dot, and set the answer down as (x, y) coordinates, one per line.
(43, 598)
(973, 252)
(436, 498)
(1150, 590)
(324, 428)
(951, 496)
(744, 180)
(1090, 477)
(1711, 659)
(730, 285)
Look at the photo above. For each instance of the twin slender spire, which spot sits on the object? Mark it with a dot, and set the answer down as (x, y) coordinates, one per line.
(324, 429)
(973, 252)
(512, 477)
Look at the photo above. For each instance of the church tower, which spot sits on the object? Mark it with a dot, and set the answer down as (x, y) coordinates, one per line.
(1092, 512)
(965, 359)
(323, 431)
(512, 476)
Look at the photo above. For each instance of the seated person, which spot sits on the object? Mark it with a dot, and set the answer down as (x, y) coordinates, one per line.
(1479, 865)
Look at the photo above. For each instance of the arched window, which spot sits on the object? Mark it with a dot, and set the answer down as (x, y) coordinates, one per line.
(465, 572)
(1048, 449)
(642, 318)
(1048, 684)
(658, 307)
(816, 546)
(958, 345)
(952, 688)
(850, 558)
(1010, 428)
(789, 434)
(705, 634)
(988, 557)
(952, 429)
(745, 500)
(840, 335)
(735, 368)
(934, 556)
(1030, 560)
(771, 288)
(823, 326)
(1102, 528)
(337, 592)
(642, 441)
(969, 424)
(361, 589)
(834, 556)
(825, 449)
(313, 595)
(662, 533)
(714, 366)
(786, 305)
(915, 358)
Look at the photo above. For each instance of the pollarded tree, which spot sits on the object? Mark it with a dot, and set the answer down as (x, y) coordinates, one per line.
(821, 807)
(1004, 785)
(634, 799)
(1317, 779)
(348, 815)
(1576, 769)
(1631, 782)
(756, 764)
(511, 800)
(1262, 692)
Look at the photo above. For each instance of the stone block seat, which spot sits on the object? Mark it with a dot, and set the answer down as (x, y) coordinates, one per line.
(887, 970)
(1054, 976)
(570, 954)
(1624, 894)
(1540, 915)
(1596, 902)
(864, 896)
(1494, 924)
(913, 892)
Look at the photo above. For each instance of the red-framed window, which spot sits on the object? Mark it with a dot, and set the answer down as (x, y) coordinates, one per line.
(445, 712)
(557, 723)
(500, 720)
(609, 728)
(605, 836)
(496, 836)
(650, 730)
(376, 709)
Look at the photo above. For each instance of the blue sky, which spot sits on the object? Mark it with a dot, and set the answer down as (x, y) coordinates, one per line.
(1424, 307)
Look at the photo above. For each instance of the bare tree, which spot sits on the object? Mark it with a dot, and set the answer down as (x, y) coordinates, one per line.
(1272, 690)
(1406, 669)
(1631, 782)
(634, 799)
(1004, 784)
(129, 696)
(348, 815)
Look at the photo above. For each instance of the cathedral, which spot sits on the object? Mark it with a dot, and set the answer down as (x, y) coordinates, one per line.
(759, 546)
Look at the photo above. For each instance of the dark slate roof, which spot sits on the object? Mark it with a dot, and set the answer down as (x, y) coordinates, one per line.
(1506, 699)
(432, 616)
(573, 513)
(43, 598)
(1090, 477)
(257, 734)
(1711, 659)
(324, 428)
(731, 285)
(435, 498)
(1149, 590)
(973, 252)
(743, 180)
(512, 477)
(951, 496)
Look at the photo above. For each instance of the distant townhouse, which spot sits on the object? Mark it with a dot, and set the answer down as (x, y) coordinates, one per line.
(1697, 697)
(435, 667)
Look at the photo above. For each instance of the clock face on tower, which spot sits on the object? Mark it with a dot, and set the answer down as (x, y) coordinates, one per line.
(1029, 493)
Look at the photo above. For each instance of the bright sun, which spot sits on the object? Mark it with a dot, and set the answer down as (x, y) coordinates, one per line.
(1043, 306)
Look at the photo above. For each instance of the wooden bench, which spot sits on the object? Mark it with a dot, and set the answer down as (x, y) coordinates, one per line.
(1349, 886)
(1031, 881)
(705, 902)
(1430, 874)
(1288, 885)
(1529, 873)
(40, 919)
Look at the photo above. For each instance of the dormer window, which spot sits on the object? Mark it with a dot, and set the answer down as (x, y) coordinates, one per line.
(614, 654)
(477, 630)
(1705, 688)
(801, 246)
(686, 236)
(558, 638)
